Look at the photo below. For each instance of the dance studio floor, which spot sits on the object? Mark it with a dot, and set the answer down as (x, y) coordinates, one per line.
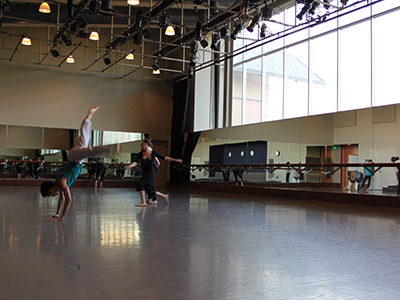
(201, 246)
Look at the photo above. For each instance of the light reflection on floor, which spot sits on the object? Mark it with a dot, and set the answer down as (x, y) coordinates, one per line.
(201, 246)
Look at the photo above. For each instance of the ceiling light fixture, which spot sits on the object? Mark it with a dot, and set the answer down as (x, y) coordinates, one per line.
(70, 59)
(94, 36)
(44, 8)
(156, 68)
(170, 31)
(26, 41)
(133, 2)
(130, 56)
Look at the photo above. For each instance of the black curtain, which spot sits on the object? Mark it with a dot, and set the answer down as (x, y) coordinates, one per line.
(180, 101)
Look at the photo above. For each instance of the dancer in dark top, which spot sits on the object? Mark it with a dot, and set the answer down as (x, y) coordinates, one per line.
(147, 158)
(73, 168)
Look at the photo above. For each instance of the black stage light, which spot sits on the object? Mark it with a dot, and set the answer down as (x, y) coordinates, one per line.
(137, 38)
(55, 53)
(199, 31)
(254, 22)
(344, 2)
(204, 43)
(267, 13)
(193, 59)
(263, 33)
(194, 47)
(6, 7)
(224, 32)
(146, 32)
(238, 27)
(327, 4)
(107, 60)
(190, 72)
(305, 9)
(215, 40)
(162, 21)
(67, 41)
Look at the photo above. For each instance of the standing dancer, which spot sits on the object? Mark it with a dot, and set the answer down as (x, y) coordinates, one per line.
(73, 168)
(147, 157)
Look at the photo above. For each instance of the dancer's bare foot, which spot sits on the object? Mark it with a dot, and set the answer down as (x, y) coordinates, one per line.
(141, 205)
(52, 216)
(91, 112)
(153, 202)
(166, 199)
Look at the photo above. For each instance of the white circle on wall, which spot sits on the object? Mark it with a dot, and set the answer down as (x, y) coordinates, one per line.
(241, 153)
(229, 154)
(252, 153)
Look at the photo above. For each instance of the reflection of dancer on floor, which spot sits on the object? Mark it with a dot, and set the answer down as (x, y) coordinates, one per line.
(147, 157)
(73, 168)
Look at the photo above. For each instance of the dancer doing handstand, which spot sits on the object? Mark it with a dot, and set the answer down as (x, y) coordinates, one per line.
(73, 168)
(147, 158)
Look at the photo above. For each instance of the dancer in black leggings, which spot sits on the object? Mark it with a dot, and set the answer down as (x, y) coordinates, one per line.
(147, 158)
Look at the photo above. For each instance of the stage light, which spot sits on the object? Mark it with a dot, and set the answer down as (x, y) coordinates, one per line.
(193, 60)
(94, 36)
(26, 41)
(254, 22)
(6, 7)
(344, 2)
(224, 32)
(44, 8)
(238, 27)
(67, 41)
(215, 40)
(305, 9)
(204, 43)
(199, 31)
(156, 68)
(107, 60)
(133, 2)
(263, 32)
(266, 13)
(170, 31)
(70, 59)
(162, 21)
(146, 32)
(130, 56)
(55, 53)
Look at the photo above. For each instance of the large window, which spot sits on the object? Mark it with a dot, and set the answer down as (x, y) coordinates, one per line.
(387, 60)
(347, 60)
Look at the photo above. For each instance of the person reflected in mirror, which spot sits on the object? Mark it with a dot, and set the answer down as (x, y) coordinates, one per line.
(395, 159)
(367, 177)
(288, 171)
(73, 168)
(238, 173)
(100, 172)
(146, 157)
(19, 166)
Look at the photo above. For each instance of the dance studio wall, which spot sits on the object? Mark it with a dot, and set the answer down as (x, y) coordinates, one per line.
(49, 97)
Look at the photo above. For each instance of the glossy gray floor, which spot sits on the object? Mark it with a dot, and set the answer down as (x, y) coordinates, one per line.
(201, 246)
